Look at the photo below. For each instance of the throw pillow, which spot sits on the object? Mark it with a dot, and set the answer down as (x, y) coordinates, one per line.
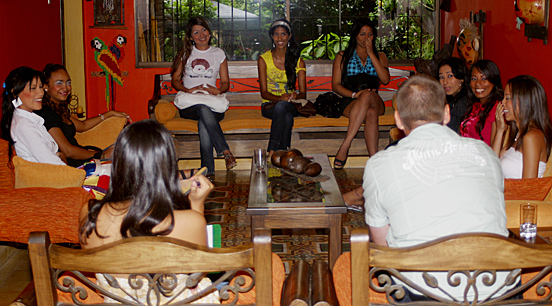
(30, 174)
(164, 111)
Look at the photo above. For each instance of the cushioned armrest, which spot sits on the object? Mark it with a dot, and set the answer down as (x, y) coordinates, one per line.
(30, 174)
(535, 189)
(102, 135)
(165, 111)
(27, 210)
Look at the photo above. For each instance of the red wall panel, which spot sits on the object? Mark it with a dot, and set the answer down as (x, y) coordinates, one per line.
(30, 34)
(503, 43)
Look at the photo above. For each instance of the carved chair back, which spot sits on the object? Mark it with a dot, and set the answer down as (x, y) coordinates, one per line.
(471, 256)
(153, 263)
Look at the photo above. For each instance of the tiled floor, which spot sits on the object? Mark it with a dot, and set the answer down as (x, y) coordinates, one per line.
(15, 273)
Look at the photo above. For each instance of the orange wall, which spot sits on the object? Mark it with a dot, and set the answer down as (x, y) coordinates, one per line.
(137, 88)
(503, 43)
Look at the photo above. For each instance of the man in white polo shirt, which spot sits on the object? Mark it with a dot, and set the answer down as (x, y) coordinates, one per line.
(433, 183)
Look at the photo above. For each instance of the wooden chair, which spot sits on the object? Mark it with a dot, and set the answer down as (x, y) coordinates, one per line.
(151, 258)
(477, 253)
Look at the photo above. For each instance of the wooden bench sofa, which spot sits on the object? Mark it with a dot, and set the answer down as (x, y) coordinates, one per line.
(246, 129)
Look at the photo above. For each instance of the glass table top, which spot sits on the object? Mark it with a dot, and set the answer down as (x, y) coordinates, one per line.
(285, 188)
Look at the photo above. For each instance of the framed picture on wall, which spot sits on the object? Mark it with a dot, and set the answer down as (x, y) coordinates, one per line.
(109, 12)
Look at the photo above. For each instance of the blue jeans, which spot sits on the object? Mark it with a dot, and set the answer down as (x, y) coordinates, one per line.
(280, 130)
(210, 133)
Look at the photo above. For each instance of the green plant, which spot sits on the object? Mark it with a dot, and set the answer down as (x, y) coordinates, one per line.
(325, 47)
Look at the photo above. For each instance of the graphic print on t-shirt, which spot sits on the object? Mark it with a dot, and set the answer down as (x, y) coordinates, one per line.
(432, 164)
(276, 81)
(199, 68)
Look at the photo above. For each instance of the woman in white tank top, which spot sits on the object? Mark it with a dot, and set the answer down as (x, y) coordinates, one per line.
(525, 151)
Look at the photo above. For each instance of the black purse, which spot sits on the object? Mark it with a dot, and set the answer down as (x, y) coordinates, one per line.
(328, 105)
(362, 81)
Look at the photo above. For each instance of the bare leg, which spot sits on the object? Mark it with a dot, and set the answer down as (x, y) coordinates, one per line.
(371, 131)
(365, 109)
(354, 197)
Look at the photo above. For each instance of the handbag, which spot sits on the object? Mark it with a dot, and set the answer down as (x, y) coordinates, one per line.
(362, 81)
(218, 103)
(304, 107)
(328, 105)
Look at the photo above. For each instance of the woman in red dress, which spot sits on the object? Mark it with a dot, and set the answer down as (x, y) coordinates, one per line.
(486, 91)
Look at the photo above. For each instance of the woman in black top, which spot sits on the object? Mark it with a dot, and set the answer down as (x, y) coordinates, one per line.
(59, 122)
(454, 76)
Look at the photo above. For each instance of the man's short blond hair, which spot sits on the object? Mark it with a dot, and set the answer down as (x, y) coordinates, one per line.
(421, 100)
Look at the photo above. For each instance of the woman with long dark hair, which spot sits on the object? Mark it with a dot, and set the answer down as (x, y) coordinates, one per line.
(356, 75)
(282, 78)
(195, 69)
(144, 197)
(454, 76)
(21, 127)
(486, 91)
(61, 124)
(528, 145)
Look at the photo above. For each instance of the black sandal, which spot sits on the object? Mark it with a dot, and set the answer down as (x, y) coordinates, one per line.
(339, 164)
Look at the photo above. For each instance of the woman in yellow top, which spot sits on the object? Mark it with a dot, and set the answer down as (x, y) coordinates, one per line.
(281, 71)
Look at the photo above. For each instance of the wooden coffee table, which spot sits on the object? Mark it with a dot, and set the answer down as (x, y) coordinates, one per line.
(303, 214)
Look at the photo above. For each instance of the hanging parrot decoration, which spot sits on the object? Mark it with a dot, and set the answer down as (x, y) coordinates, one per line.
(117, 47)
(108, 61)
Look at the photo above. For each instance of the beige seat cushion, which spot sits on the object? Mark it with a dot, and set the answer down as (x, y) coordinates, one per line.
(238, 119)
(102, 135)
(30, 174)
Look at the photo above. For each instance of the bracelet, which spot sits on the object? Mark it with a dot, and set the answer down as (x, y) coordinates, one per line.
(101, 116)
(353, 95)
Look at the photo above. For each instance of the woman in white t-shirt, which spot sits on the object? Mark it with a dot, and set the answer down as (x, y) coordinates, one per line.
(23, 129)
(529, 142)
(195, 68)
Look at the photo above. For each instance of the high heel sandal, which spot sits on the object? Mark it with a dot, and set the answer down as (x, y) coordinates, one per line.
(230, 161)
(339, 164)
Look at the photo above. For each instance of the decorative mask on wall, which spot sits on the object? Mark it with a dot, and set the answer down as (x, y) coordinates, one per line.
(530, 11)
(468, 42)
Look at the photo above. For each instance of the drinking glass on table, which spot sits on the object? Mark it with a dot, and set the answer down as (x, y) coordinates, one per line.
(259, 159)
(528, 221)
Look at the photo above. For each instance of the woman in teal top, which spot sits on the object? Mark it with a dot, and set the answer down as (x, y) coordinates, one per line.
(279, 71)
(356, 75)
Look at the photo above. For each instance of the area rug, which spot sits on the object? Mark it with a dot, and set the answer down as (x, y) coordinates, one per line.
(227, 204)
